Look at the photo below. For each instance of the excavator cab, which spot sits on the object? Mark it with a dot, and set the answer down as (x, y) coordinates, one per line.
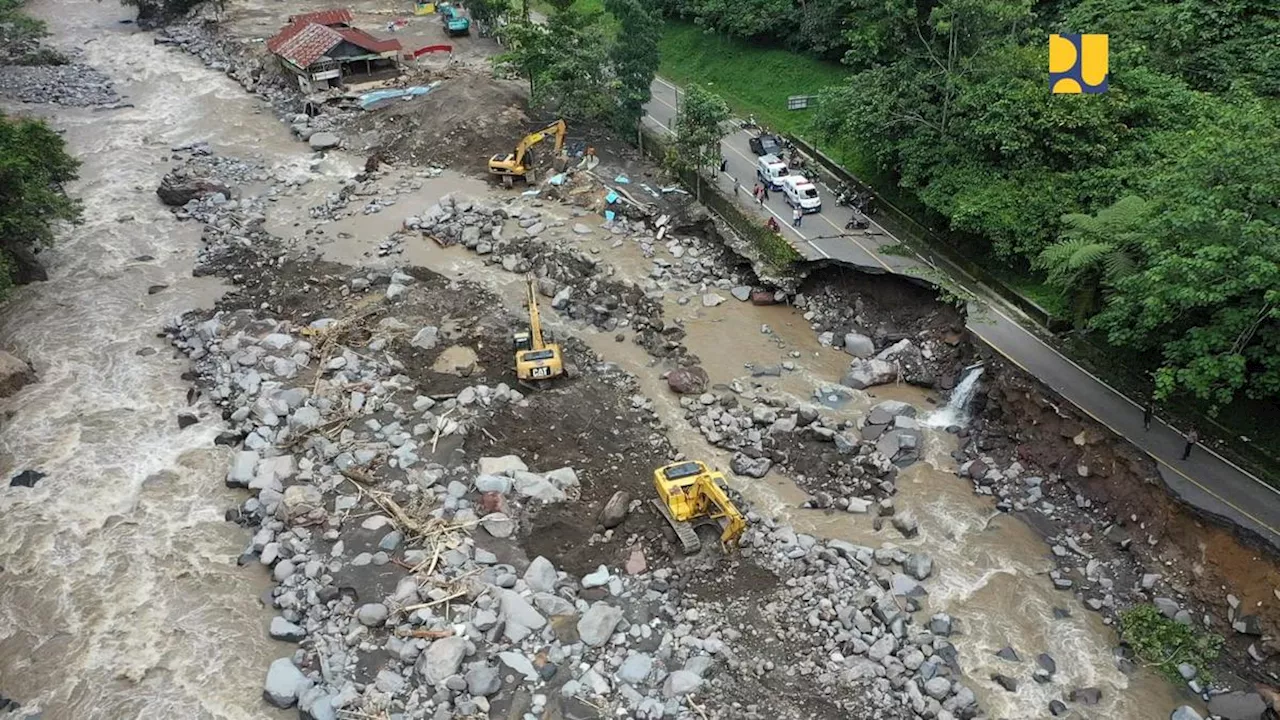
(690, 494)
(537, 358)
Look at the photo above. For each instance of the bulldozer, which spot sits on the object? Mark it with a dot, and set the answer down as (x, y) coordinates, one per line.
(690, 494)
(536, 358)
(511, 167)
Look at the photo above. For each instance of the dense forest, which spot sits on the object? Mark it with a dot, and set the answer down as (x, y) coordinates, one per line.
(1154, 207)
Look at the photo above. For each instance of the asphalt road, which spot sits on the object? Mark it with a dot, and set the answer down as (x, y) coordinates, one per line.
(1205, 480)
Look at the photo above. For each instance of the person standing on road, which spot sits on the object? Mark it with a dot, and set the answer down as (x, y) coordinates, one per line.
(1192, 437)
(764, 193)
(723, 164)
(1148, 412)
(796, 217)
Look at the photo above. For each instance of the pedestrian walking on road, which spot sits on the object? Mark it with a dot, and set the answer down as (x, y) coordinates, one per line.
(723, 164)
(735, 187)
(764, 193)
(755, 193)
(1192, 437)
(796, 217)
(1148, 412)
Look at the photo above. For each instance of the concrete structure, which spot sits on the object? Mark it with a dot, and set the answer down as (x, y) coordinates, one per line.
(323, 50)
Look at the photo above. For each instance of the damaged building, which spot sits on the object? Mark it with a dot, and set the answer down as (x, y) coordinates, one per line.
(323, 50)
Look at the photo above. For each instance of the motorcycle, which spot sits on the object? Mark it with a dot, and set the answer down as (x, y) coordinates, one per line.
(857, 222)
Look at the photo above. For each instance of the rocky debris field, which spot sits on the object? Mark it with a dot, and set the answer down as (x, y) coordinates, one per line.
(1093, 519)
(405, 498)
(73, 84)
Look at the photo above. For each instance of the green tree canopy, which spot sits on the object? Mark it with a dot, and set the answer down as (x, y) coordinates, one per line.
(33, 166)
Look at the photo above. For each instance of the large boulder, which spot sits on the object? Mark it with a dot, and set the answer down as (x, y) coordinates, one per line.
(688, 380)
(323, 141)
(615, 511)
(15, 374)
(178, 188)
(442, 659)
(906, 357)
(751, 467)
(284, 683)
(859, 345)
(302, 505)
(597, 624)
(869, 373)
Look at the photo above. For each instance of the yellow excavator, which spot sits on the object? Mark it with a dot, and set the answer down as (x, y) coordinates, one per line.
(536, 359)
(690, 494)
(511, 167)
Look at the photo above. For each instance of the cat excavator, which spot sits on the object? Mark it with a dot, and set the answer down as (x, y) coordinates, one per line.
(536, 359)
(510, 167)
(690, 494)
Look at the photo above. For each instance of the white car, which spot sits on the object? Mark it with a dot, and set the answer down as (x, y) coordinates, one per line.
(800, 193)
(771, 171)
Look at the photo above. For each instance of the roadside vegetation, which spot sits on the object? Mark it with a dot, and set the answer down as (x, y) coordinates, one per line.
(1145, 215)
(1163, 644)
(34, 162)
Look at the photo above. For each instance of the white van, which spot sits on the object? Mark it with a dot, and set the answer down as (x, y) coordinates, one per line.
(770, 171)
(801, 193)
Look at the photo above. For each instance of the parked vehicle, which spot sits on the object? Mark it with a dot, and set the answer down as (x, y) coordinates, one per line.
(799, 192)
(770, 171)
(765, 144)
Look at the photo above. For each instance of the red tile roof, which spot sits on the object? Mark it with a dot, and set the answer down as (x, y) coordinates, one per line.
(298, 22)
(309, 44)
(362, 39)
(340, 16)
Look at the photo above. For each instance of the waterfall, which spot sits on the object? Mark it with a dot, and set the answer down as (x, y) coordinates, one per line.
(956, 411)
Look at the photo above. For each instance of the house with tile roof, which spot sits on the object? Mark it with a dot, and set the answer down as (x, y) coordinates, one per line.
(322, 49)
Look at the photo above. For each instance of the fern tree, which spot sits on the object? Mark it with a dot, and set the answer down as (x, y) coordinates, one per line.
(1093, 253)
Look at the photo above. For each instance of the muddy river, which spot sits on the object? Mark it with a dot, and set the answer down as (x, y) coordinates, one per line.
(119, 595)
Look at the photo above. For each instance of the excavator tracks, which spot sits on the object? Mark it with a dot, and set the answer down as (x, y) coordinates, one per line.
(689, 541)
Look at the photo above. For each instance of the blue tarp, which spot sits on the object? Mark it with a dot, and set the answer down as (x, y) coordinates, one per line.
(557, 179)
(372, 98)
(609, 215)
(622, 179)
(611, 198)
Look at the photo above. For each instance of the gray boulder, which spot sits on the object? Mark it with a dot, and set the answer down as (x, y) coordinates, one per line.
(442, 659)
(282, 629)
(483, 681)
(615, 511)
(688, 380)
(598, 623)
(323, 141)
(869, 373)
(918, 566)
(1185, 713)
(540, 576)
(284, 683)
(680, 683)
(859, 345)
(372, 614)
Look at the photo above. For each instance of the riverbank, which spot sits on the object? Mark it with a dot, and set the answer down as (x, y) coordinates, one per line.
(361, 372)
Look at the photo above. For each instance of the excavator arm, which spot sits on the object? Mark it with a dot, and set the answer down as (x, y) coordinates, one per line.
(557, 128)
(713, 501)
(535, 322)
